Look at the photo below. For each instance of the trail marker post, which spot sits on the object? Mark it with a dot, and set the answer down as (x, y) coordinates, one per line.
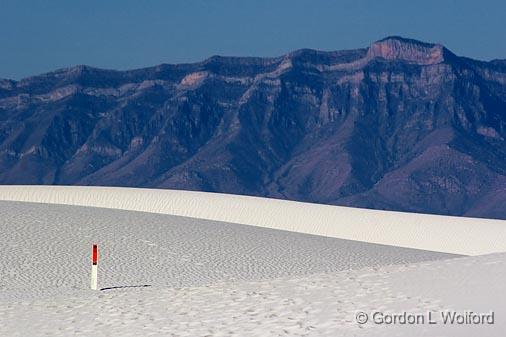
(94, 267)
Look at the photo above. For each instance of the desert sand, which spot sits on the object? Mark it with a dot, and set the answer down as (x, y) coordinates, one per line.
(456, 235)
(46, 250)
(163, 274)
(314, 305)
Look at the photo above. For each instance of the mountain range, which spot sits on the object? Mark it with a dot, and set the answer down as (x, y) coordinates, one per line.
(400, 125)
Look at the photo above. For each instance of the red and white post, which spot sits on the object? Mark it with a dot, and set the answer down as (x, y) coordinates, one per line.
(94, 267)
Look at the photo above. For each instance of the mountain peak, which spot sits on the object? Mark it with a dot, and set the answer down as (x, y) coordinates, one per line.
(409, 50)
(406, 40)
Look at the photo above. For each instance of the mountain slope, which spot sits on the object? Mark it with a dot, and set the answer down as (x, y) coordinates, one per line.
(401, 125)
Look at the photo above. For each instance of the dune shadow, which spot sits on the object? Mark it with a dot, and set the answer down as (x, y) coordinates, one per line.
(122, 287)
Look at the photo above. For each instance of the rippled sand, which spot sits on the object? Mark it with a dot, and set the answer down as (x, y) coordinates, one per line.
(166, 275)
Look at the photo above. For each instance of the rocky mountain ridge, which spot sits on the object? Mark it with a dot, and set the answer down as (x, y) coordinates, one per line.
(401, 125)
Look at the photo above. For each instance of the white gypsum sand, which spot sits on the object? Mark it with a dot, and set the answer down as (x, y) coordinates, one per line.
(316, 305)
(46, 251)
(458, 235)
(169, 275)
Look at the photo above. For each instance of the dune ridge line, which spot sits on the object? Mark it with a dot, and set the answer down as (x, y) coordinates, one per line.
(457, 235)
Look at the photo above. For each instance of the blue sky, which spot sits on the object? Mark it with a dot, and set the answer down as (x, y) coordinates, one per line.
(38, 36)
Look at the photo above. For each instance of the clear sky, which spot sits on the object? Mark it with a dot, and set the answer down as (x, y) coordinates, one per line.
(38, 35)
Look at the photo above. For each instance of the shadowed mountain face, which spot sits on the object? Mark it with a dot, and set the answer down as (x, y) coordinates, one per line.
(401, 125)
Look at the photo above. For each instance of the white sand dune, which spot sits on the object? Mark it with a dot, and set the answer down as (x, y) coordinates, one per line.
(168, 275)
(316, 305)
(457, 235)
(46, 251)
